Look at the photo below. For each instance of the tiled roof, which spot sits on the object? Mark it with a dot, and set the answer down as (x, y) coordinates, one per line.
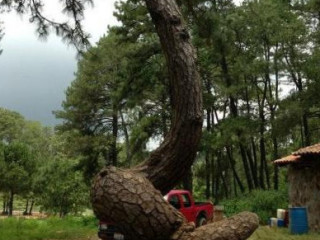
(287, 160)
(298, 156)
(311, 150)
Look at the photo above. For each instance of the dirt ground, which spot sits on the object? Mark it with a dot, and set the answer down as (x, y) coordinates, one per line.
(87, 238)
(35, 215)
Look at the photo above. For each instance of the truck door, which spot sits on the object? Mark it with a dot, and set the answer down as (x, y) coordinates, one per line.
(187, 209)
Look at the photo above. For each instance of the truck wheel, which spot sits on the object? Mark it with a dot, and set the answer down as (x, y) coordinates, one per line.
(201, 221)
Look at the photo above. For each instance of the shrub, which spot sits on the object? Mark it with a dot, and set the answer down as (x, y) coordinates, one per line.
(263, 203)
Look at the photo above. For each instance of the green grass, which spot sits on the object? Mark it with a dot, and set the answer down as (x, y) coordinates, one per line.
(83, 227)
(51, 228)
(267, 233)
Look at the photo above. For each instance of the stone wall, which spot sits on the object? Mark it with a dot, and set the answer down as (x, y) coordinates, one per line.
(304, 191)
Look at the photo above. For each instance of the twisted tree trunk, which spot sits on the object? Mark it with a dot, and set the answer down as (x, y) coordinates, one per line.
(173, 159)
(133, 198)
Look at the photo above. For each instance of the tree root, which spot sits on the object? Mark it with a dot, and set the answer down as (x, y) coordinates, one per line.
(238, 227)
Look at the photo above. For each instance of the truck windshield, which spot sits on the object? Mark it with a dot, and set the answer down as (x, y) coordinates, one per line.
(186, 200)
(174, 201)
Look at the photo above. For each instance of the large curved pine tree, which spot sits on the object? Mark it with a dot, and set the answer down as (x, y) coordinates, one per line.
(132, 198)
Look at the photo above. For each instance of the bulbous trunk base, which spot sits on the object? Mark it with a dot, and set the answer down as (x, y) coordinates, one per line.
(139, 210)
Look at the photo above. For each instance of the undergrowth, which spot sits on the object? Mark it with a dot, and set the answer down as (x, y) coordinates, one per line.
(50, 228)
(263, 203)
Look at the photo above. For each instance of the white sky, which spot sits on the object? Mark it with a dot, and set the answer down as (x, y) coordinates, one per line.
(35, 74)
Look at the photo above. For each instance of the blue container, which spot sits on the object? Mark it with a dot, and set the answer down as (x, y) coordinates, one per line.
(298, 220)
(280, 223)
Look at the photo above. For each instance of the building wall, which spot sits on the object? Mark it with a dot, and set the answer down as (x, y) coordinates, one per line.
(304, 191)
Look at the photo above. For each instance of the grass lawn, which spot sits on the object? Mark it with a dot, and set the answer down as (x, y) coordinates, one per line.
(84, 228)
(267, 233)
(45, 229)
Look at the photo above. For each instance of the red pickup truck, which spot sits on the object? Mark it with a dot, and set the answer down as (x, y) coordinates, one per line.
(197, 212)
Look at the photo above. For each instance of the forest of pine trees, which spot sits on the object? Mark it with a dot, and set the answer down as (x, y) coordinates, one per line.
(259, 66)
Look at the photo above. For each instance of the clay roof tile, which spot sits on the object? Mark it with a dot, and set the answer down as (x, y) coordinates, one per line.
(300, 156)
(311, 150)
(288, 160)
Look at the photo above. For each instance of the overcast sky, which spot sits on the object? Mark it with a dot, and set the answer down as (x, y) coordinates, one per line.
(35, 74)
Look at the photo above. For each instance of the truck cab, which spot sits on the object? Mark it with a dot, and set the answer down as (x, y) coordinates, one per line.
(197, 212)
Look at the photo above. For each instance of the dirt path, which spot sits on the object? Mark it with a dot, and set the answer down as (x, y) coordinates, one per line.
(89, 238)
(35, 215)
(86, 238)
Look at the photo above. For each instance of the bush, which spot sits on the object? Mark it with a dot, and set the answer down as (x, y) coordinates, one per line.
(263, 203)
(90, 221)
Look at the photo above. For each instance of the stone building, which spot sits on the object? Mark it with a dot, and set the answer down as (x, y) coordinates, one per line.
(304, 181)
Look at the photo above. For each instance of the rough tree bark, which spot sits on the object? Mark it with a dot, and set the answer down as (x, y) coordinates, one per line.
(170, 162)
(31, 207)
(113, 152)
(10, 203)
(132, 198)
(27, 208)
(141, 213)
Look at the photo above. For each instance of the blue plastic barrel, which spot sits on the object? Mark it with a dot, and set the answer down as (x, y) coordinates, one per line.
(298, 220)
